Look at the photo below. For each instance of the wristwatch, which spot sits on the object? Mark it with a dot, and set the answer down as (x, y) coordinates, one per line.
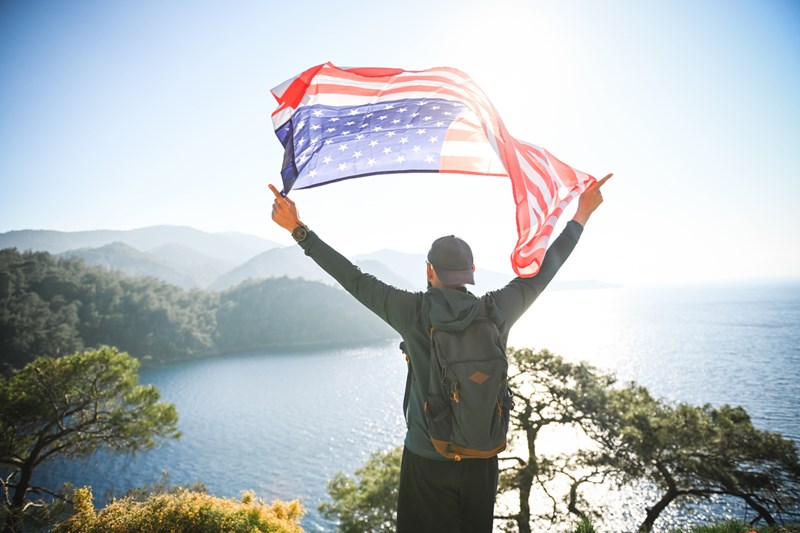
(300, 233)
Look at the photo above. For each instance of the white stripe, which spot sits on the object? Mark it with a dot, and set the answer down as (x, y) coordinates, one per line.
(539, 183)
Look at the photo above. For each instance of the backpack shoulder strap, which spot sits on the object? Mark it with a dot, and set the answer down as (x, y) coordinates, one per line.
(407, 394)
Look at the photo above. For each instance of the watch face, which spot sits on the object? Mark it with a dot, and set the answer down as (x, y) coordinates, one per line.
(300, 233)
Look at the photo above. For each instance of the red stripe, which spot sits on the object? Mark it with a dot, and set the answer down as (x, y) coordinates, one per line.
(295, 92)
(375, 72)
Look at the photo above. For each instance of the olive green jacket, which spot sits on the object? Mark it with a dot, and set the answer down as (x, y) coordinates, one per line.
(412, 314)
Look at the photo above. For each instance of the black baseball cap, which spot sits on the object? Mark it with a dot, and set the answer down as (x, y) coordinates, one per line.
(451, 257)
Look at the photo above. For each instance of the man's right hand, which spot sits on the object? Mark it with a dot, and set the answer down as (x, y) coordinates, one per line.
(284, 212)
(589, 200)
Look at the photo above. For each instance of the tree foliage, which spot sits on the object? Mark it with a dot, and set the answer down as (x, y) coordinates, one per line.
(70, 407)
(549, 392)
(183, 511)
(52, 306)
(367, 504)
(699, 451)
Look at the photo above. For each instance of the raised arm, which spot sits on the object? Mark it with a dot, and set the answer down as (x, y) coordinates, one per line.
(519, 294)
(393, 305)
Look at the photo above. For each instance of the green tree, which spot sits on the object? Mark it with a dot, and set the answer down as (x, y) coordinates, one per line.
(368, 504)
(549, 392)
(70, 407)
(696, 452)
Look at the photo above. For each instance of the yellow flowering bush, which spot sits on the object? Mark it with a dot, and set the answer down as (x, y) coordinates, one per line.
(182, 511)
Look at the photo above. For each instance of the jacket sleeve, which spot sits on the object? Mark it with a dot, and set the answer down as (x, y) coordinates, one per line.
(395, 306)
(516, 297)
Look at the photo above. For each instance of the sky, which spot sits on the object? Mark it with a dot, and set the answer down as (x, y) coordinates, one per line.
(126, 114)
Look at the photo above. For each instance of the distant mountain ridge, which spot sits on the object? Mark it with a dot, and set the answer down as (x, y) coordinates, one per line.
(231, 246)
(191, 258)
(128, 260)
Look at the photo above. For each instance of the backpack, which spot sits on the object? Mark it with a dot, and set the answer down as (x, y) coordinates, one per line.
(468, 403)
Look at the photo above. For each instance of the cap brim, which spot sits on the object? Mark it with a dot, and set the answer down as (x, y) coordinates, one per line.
(456, 277)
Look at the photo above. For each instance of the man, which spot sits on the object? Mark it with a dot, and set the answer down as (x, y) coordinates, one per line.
(436, 494)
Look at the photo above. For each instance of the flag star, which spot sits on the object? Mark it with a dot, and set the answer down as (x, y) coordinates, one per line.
(315, 127)
(357, 154)
(364, 126)
(440, 124)
(414, 114)
(402, 110)
(396, 121)
(400, 159)
(359, 136)
(427, 118)
(369, 115)
(387, 150)
(373, 143)
(389, 106)
(312, 173)
(313, 141)
(407, 126)
(391, 134)
(302, 158)
(420, 132)
(343, 147)
(403, 140)
(330, 130)
(301, 124)
(429, 159)
(345, 132)
(342, 166)
(328, 141)
(416, 149)
(301, 142)
(447, 113)
(383, 117)
(327, 159)
(353, 112)
(349, 123)
(334, 119)
(434, 107)
(423, 102)
(434, 139)
(377, 128)
(370, 162)
(317, 113)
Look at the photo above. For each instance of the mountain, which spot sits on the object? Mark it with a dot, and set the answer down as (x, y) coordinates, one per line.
(191, 258)
(203, 269)
(231, 247)
(128, 260)
(291, 262)
(276, 263)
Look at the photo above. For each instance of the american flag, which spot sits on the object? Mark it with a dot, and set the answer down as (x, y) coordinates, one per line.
(337, 123)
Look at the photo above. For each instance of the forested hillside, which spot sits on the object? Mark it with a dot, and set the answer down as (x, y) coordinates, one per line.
(54, 306)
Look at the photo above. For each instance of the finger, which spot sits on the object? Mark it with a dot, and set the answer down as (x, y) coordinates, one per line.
(275, 191)
(605, 179)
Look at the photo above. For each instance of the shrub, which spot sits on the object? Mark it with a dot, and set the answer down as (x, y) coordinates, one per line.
(182, 511)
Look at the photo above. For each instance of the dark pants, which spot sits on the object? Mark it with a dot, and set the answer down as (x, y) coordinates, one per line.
(446, 496)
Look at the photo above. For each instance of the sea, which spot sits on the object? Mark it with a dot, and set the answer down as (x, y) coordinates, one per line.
(283, 424)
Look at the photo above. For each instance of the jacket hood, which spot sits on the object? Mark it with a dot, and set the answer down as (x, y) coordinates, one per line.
(451, 309)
